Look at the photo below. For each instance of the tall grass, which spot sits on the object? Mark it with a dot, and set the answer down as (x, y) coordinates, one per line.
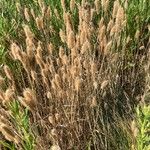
(78, 73)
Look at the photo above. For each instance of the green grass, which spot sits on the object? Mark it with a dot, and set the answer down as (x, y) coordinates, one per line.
(143, 126)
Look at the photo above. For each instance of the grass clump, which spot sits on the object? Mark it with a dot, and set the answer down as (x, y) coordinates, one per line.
(15, 127)
(80, 75)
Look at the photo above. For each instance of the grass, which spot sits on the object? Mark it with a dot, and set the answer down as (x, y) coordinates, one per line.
(73, 74)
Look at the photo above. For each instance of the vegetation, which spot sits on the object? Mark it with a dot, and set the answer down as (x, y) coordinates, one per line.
(74, 75)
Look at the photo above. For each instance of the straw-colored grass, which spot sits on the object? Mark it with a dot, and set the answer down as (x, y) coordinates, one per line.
(78, 80)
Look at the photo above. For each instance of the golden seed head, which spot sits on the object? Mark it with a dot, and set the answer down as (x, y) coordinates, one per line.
(41, 4)
(9, 95)
(28, 32)
(77, 83)
(113, 30)
(72, 5)
(49, 95)
(95, 84)
(126, 4)
(134, 128)
(92, 13)
(30, 98)
(110, 25)
(43, 11)
(58, 80)
(57, 117)
(9, 133)
(93, 67)
(33, 75)
(62, 36)
(74, 53)
(128, 39)
(39, 50)
(108, 47)
(8, 72)
(93, 102)
(105, 4)
(30, 48)
(51, 120)
(48, 13)
(65, 59)
(120, 16)
(40, 23)
(2, 95)
(101, 23)
(18, 6)
(50, 48)
(26, 14)
(137, 34)
(104, 84)
(97, 6)
(55, 147)
(86, 47)
(68, 23)
(141, 47)
(4, 119)
(115, 8)
(63, 5)
(102, 32)
(15, 51)
(71, 40)
(1, 81)
(32, 13)
(61, 52)
(53, 84)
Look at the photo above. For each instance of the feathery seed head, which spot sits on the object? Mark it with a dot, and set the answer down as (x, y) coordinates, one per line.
(115, 8)
(9, 133)
(62, 36)
(49, 95)
(26, 14)
(1, 81)
(71, 40)
(55, 147)
(8, 72)
(86, 47)
(33, 75)
(120, 17)
(93, 102)
(77, 84)
(9, 95)
(57, 80)
(32, 13)
(40, 23)
(50, 48)
(110, 25)
(41, 4)
(30, 98)
(48, 13)
(15, 51)
(104, 84)
(51, 120)
(28, 32)
(97, 6)
(108, 47)
(63, 5)
(18, 6)
(72, 5)
(137, 34)
(61, 52)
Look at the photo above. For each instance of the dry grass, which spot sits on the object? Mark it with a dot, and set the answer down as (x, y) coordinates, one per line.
(79, 94)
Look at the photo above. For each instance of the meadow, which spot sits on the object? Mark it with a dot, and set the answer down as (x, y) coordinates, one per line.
(75, 74)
